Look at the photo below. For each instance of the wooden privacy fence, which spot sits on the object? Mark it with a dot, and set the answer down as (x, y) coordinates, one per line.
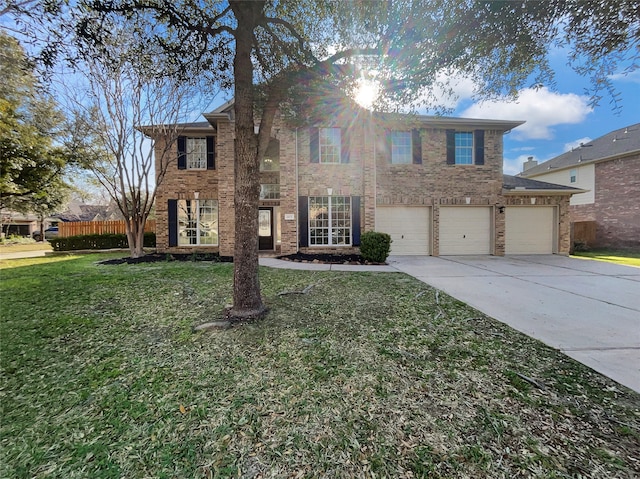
(74, 228)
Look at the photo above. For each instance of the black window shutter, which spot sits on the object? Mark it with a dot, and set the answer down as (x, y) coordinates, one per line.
(211, 153)
(173, 222)
(355, 220)
(314, 145)
(303, 221)
(345, 143)
(416, 145)
(182, 153)
(478, 142)
(451, 147)
(388, 146)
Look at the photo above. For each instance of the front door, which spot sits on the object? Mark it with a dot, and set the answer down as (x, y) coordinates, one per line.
(265, 229)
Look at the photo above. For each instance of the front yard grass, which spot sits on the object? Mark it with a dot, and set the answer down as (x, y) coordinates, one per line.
(628, 258)
(366, 375)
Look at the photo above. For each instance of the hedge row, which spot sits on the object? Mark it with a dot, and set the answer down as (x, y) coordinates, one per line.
(106, 241)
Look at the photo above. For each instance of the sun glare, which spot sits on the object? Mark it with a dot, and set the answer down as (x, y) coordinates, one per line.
(366, 93)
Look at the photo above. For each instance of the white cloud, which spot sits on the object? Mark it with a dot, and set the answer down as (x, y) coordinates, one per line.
(632, 77)
(541, 109)
(451, 88)
(575, 144)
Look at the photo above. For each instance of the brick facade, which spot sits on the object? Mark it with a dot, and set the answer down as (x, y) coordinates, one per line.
(368, 175)
(616, 209)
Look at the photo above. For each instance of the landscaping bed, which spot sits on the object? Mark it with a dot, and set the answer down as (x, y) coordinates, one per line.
(326, 258)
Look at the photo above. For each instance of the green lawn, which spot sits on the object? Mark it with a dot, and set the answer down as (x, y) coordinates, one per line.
(366, 375)
(21, 247)
(628, 258)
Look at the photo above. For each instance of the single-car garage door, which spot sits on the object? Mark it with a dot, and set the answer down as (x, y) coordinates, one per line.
(465, 230)
(529, 229)
(408, 227)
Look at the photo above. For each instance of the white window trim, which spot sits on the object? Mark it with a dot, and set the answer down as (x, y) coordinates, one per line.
(330, 227)
(197, 208)
(189, 153)
(322, 146)
(473, 150)
(410, 156)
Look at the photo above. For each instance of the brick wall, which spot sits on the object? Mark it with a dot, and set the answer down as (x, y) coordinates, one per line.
(616, 209)
(368, 175)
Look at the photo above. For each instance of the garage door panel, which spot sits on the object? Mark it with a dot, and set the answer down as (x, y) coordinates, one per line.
(529, 230)
(407, 226)
(465, 230)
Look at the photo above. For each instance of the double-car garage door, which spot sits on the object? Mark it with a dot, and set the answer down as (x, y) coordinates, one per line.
(468, 229)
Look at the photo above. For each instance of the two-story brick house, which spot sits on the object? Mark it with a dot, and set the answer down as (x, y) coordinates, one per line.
(435, 184)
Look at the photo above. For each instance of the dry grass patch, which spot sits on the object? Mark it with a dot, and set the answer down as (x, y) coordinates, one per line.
(366, 375)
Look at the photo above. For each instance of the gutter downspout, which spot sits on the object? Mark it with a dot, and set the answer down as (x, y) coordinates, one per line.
(297, 203)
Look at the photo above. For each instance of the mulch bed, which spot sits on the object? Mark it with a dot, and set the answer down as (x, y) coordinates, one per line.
(354, 259)
(156, 257)
(326, 258)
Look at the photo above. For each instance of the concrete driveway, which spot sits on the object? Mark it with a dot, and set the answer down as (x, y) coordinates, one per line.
(590, 310)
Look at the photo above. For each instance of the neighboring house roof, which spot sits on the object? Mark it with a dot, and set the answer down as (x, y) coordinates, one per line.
(613, 145)
(516, 185)
(84, 213)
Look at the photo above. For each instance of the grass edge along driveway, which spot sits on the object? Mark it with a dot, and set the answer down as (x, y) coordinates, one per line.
(366, 375)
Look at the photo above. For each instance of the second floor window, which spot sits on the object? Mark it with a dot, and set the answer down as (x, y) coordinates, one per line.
(196, 153)
(401, 150)
(573, 175)
(330, 144)
(464, 148)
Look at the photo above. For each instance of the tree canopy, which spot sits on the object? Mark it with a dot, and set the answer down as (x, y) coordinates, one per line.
(32, 164)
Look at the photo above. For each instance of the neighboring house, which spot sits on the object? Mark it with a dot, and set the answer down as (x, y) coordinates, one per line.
(434, 184)
(608, 168)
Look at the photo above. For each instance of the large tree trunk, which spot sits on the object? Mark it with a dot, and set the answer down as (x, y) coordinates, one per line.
(247, 302)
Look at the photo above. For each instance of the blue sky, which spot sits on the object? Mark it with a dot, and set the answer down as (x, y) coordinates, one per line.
(556, 119)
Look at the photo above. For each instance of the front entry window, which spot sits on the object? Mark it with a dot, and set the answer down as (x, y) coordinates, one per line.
(329, 221)
(197, 222)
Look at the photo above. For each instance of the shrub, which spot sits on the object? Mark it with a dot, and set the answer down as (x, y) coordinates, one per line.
(374, 246)
(105, 241)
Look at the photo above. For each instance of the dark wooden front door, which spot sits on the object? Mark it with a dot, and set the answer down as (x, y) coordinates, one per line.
(265, 229)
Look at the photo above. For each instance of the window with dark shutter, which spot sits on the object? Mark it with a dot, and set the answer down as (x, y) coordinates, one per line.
(345, 141)
(173, 222)
(416, 145)
(303, 221)
(355, 220)
(451, 147)
(314, 145)
(478, 144)
(211, 153)
(182, 153)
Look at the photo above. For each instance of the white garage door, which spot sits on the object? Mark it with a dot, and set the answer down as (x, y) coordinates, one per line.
(529, 230)
(465, 230)
(408, 227)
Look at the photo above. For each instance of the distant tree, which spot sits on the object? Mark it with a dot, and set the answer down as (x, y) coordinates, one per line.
(32, 162)
(119, 102)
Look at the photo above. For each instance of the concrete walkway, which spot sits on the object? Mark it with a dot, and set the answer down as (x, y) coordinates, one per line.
(590, 310)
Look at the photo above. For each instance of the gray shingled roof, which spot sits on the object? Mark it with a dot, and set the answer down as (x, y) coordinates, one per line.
(614, 144)
(518, 183)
